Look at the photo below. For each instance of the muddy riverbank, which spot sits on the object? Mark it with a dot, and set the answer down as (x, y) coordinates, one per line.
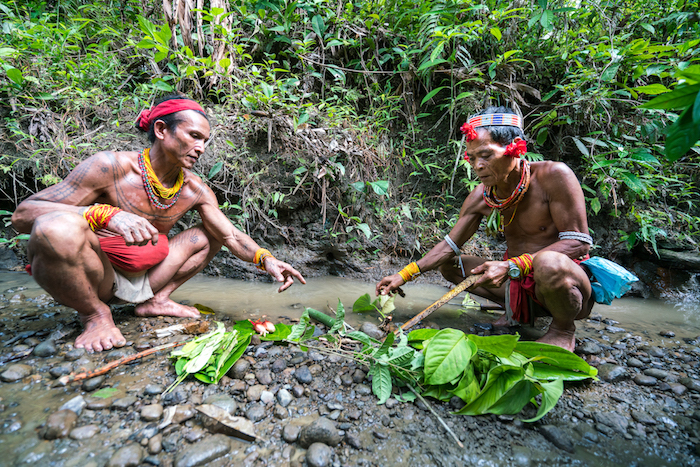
(310, 408)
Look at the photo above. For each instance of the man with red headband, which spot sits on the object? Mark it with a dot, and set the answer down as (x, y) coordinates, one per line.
(539, 207)
(100, 236)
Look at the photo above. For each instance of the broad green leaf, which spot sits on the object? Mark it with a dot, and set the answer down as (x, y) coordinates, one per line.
(407, 396)
(380, 187)
(468, 387)
(442, 392)
(361, 337)
(363, 304)
(581, 147)
(15, 75)
(500, 380)
(447, 355)
(237, 352)
(543, 371)
(339, 318)
(515, 399)
(495, 32)
(609, 73)
(696, 109)
(282, 332)
(319, 26)
(215, 169)
(299, 329)
(546, 19)
(384, 349)
(381, 383)
(632, 181)
(420, 335)
(7, 51)
(386, 304)
(595, 204)
(682, 135)
(680, 98)
(550, 397)
(105, 393)
(359, 186)
(364, 228)
(555, 356)
(500, 346)
(432, 94)
(401, 357)
(430, 63)
(653, 89)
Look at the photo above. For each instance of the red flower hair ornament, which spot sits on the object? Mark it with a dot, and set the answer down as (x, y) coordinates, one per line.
(516, 149)
(468, 131)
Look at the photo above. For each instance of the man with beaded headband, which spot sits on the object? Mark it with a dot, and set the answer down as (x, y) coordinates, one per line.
(539, 207)
(99, 236)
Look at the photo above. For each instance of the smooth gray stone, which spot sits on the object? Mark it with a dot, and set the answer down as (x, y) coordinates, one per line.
(612, 373)
(16, 372)
(280, 412)
(319, 455)
(223, 401)
(290, 433)
(76, 404)
(557, 437)
(372, 331)
(320, 430)
(682, 259)
(279, 365)
(690, 383)
(643, 417)
(61, 370)
(151, 413)
(303, 375)
(656, 373)
(127, 456)
(91, 384)
(204, 452)
(588, 348)
(284, 397)
(255, 413)
(264, 377)
(124, 403)
(84, 432)
(74, 354)
(644, 380)
(614, 420)
(239, 369)
(59, 424)
(45, 349)
(634, 363)
(154, 389)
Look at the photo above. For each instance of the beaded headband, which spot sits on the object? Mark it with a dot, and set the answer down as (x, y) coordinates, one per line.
(496, 120)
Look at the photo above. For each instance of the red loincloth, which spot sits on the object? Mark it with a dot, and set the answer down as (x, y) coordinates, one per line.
(134, 258)
(521, 289)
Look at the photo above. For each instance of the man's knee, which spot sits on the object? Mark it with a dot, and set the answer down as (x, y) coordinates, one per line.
(61, 234)
(198, 239)
(551, 268)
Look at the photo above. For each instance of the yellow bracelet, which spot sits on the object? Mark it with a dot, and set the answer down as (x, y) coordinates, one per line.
(260, 256)
(410, 272)
(523, 262)
(99, 215)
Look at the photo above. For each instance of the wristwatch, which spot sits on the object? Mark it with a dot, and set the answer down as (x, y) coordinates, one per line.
(513, 270)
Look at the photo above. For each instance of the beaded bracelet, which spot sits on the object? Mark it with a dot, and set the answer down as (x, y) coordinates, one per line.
(573, 235)
(99, 215)
(260, 256)
(523, 262)
(410, 272)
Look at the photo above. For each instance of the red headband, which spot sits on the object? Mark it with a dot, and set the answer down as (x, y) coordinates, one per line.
(146, 117)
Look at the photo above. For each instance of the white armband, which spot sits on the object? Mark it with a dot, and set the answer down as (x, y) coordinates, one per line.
(457, 251)
(573, 235)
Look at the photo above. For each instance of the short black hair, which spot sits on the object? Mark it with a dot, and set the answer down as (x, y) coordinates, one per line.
(501, 134)
(170, 120)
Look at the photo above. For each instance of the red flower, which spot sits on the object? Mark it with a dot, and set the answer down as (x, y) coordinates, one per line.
(516, 149)
(466, 157)
(469, 131)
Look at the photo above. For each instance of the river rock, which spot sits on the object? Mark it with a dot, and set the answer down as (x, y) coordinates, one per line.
(358, 376)
(353, 440)
(645, 380)
(667, 333)
(239, 369)
(154, 389)
(59, 424)
(15, 372)
(303, 375)
(152, 412)
(612, 373)
(657, 352)
(614, 329)
(124, 403)
(223, 401)
(557, 437)
(320, 430)
(372, 331)
(155, 444)
(61, 370)
(643, 417)
(318, 455)
(280, 412)
(98, 403)
(84, 432)
(613, 420)
(656, 373)
(266, 397)
(678, 389)
(634, 363)
(204, 452)
(588, 348)
(284, 397)
(76, 404)
(255, 412)
(127, 456)
(690, 383)
(91, 384)
(74, 354)
(183, 413)
(254, 392)
(290, 433)
(45, 349)
(117, 354)
(279, 365)
(264, 377)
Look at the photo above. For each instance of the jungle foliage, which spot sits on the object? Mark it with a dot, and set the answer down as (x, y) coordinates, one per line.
(358, 104)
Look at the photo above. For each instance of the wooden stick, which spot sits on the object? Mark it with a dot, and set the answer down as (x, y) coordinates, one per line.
(442, 422)
(65, 380)
(459, 288)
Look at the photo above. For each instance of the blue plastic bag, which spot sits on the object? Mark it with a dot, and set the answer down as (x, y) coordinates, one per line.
(610, 280)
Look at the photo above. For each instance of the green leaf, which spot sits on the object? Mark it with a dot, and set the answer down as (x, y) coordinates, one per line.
(359, 186)
(386, 304)
(319, 26)
(581, 147)
(15, 75)
(550, 396)
(361, 337)
(381, 382)
(652, 89)
(299, 329)
(610, 72)
(447, 355)
(515, 399)
(555, 356)
(495, 32)
(432, 94)
(364, 228)
(501, 379)
(595, 205)
(680, 98)
(468, 387)
(546, 19)
(500, 346)
(384, 349)
(696, 109)
(105, 393)
(237, 352)
(682, 135)
(215, 169)
(401, 356)
(363, 304)
(543, 371)
(7, 51)
(380, 187)
(418, 336)
(282, 332)
(632, 181)
(338, 324)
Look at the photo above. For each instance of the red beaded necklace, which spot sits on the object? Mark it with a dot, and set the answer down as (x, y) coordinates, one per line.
(515, 197)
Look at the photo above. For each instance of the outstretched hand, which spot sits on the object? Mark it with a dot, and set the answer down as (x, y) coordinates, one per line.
(495, 274)
(282, 272)
(389, 284)
(135, 229)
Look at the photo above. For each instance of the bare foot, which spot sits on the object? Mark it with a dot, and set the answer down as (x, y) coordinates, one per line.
(100, 334)
(561, 338)
(165, 307)
(502, 321)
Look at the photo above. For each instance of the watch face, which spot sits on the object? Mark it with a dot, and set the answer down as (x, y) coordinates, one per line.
(513, 271)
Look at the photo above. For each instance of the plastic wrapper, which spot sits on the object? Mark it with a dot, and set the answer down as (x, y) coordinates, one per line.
(610, 280)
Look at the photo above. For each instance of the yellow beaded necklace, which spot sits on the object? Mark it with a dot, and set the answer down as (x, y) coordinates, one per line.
(156, 185)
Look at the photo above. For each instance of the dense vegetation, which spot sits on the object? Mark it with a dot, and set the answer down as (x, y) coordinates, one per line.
(349, 112)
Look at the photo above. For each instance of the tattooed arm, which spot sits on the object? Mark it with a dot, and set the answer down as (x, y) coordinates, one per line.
(236, 241)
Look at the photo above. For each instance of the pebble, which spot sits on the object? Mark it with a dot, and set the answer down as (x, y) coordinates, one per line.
(154, 389)
(667, 333)
(372, 331)
(61, 370)
(239, 369)
(152, 412)
(690, 383)
(643, 417)
(656, 352)
(319, 455)
(612, 373)
(84, 432)
(98, 403)
(613, 420)
(204, 452)
(353, 440)
(124, 403)
(284, 397)
(74, 354)
(644, 380)
(290, 433)
(155, 444)
(223, 401)
(91, 384)
(634, 363)
(127, 456)
(264, 377)
(614, 330)
(358, 376)
(76, 404)
(280, 412)
(254, 392)
(59, 424)
(279, 365)
(255, 413)
(183, 413)
(557, 437)
(16, 372)
(588, 348)
(656, 373)
(303, 375)
(320, 430)
(45, 349)
(266, 397)
(117, 354)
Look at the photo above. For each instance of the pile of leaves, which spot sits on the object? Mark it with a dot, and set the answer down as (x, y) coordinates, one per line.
(491, 374)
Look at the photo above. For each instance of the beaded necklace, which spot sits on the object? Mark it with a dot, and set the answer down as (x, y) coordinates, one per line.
(515, 197)
(154, 188)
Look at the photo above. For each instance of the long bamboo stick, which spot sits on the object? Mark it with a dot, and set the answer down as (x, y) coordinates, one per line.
(459, 288)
